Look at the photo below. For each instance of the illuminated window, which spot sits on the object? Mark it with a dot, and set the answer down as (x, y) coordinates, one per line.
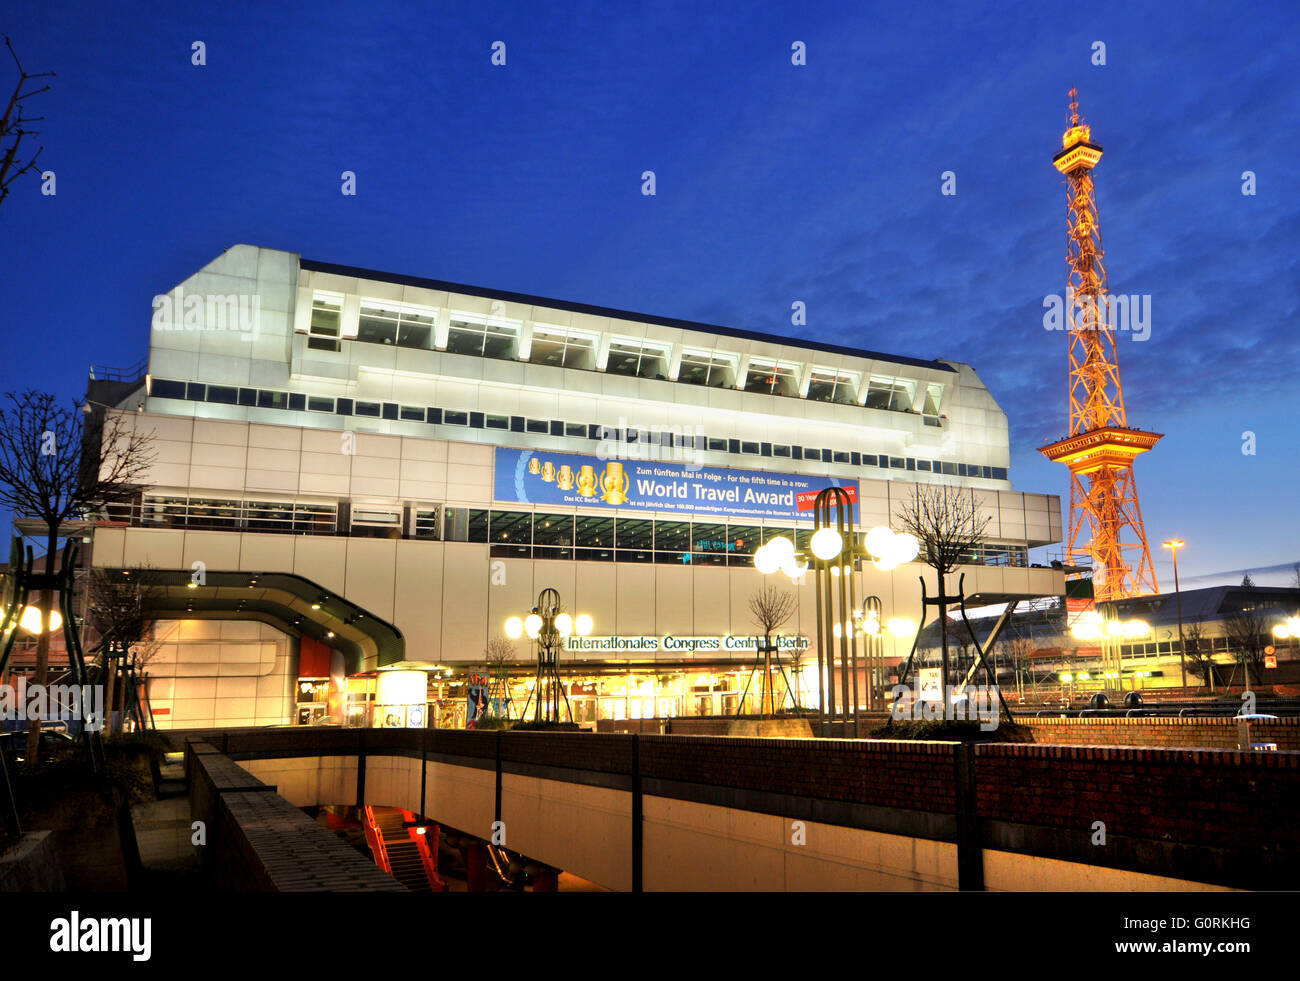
(487, 337)
(833, 386)
(894, 394)
(555, 532)
(637, 359)
(387, 322)
(594, 537)
(672, 541)
(563, 348)
(633, 537)
(933, 398)
(713, 370)
(771, 378)
(326, 312)
(511, 534)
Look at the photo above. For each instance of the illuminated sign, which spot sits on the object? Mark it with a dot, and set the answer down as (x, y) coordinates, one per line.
(930, 683)
(540, 477)
(674, 644)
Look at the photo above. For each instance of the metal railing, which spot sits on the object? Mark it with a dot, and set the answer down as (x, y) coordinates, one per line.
(135, 372)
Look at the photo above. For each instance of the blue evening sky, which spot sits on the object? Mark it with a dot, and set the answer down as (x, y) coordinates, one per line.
(775, 183)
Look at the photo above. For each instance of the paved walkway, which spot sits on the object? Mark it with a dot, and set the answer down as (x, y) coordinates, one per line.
(163, 832)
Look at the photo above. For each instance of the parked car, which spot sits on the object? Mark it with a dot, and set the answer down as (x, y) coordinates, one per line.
(14, 745)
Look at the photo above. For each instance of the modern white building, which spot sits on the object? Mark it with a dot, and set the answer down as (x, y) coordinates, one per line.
(390, 467)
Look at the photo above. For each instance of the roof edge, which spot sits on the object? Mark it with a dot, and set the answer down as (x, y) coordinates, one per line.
(507, 296)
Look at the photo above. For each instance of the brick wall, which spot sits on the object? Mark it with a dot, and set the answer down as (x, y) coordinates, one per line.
(1195, 797)
(577, 750)
(916, 776)
(1161, 733)
(1164, 733)
(258, 842)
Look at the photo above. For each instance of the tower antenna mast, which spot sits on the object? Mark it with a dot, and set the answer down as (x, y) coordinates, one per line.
(1105, 518)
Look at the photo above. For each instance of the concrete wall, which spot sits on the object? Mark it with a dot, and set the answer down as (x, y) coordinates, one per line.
(783, 814)
(221, 673)
(580, 828)
(585, 829)
(691, 846)
(1010, 872)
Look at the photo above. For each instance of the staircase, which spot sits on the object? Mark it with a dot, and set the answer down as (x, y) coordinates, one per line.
(402, 851)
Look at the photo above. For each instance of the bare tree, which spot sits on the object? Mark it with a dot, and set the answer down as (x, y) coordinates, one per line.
(770, 609)
(13, 127)
(1017, 650)
(1199, 651)
(499, 653)
(1248, 632)
(120, 611)
(57, 463)
(950, 531)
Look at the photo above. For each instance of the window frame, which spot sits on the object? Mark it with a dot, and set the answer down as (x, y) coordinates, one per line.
(779, 370)
(660, 351)
(320, 337)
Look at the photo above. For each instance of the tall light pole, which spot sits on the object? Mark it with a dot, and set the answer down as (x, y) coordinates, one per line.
(1174, 544)
(549, 626)
(835, 550)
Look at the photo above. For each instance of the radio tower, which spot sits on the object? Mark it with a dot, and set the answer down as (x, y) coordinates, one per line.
(1101, 447)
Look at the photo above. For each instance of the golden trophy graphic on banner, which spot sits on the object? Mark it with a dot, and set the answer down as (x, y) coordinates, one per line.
(534, 466)
(587, 481)
(548, 472)
(614, 482)
(564, 478)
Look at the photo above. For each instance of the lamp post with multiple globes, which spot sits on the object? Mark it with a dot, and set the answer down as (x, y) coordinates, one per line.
(548, 625)
(835, 550)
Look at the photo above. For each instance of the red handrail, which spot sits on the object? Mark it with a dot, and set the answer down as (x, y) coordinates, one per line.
(376, 841)
(427, 853)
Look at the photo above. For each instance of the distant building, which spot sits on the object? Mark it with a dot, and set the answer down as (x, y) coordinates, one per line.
(1152, 662)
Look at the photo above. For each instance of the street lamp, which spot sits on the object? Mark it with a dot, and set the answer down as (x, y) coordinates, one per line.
(549, 627)
(1110, 632)
(32, 622)
(1289, 629)
(833, 550)
(1174, 544)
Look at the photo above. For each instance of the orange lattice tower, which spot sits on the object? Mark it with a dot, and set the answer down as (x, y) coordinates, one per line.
(1100, 448)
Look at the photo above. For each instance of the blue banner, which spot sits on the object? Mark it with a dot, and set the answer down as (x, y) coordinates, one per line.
(543, 477)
